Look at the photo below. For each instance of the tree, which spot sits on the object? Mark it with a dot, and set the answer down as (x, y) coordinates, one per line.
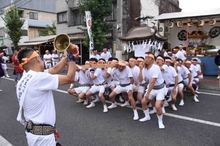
(13, 24)
(99, 10)
(50, 30)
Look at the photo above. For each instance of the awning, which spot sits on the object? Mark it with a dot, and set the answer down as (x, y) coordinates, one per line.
(31, 44)
(42, 39)
(181, 15)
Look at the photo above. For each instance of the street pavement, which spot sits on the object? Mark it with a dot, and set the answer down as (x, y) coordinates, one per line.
(194, 124)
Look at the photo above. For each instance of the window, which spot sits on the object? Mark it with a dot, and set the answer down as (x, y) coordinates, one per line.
(113, 15)
(62, 17)
(33, 15)
(25, 33)
(76, 17)
(20, 13)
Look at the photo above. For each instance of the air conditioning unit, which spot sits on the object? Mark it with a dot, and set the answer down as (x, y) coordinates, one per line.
(212, 22)
(179, 24)
(201, 23)
(170, 24)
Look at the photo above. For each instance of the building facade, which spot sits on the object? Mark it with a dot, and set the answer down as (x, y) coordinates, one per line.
(69, 19)
(38, 14)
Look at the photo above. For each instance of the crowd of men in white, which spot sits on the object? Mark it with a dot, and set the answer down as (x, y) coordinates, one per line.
(149, 81)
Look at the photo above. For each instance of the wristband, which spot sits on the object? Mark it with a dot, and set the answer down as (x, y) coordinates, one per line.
(92, 70)
(71, 58)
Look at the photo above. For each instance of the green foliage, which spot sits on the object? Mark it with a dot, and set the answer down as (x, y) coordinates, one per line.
(50, 30)
(13, 24)
(99, 10)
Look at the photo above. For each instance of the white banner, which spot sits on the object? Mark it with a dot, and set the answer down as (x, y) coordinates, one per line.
(89, 24)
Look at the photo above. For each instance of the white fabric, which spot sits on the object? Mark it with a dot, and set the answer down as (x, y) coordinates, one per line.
(39, 105)
(120, 89)
(170, 75)
(180, 55)
(135, 72)
(21, 91)
(153, 72)
(47, 56)
(123, 76)
(81, 89)
(40, 140)
(180, 78)
(94, 89)
(55, 59)
(106, 56)
(97, 56)
(99, 78)
(84, 77)
(158, 94)
(184, 72)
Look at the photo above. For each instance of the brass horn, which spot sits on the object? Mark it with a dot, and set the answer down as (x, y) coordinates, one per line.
(61, 42)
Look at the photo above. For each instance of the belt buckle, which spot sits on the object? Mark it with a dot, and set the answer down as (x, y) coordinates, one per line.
(29, 125)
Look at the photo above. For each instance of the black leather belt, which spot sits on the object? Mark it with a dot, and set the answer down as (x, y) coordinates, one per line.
(39, 129)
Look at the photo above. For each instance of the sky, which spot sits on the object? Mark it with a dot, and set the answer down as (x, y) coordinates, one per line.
(194, 5)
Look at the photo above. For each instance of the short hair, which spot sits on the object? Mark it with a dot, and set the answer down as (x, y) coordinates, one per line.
(178, 59)
(93, 59)
(102, 59)
(195, 59)
(94, 50)
(110, 59)
(167, 58)
(115, 59)
(151, 54)
(24, 53)
(141, 57)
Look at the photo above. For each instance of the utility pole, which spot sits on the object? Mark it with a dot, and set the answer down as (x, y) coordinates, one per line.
(119, 29)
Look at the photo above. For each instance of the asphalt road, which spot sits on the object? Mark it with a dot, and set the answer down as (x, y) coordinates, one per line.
(194, 124)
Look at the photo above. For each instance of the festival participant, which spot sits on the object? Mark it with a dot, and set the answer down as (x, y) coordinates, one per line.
(171, 82)
(4, 64)
(55, 57)
(105, 54)
(193, 82)
(141, 85)
(187, 78)
(95, 54)
(34, 92)
(199, 75)
(180, 53)
(126, 80)
(98, 85)
(84, 84)
(180, 80)
(155, 88)
(47, 59)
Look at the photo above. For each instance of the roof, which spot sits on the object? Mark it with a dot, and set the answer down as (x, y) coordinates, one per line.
(179, 15)
(142, 33)
(40, 5)
(38, 23)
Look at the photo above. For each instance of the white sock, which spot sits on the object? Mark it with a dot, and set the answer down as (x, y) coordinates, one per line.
(160, 121)
(146, 113)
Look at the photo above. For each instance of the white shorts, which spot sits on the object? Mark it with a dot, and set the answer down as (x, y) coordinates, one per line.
(4, 66)
(94, 89)
(180, 85)
(81, 89)
(48, 65)
(120, 89)
(171, 89)
(107, 85)
(141, 89)
(114, 83)
(158, 94)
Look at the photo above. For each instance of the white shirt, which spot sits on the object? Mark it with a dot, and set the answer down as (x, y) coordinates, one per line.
(39, 103)
(170, 75)
(95, 56)
(4, 59)
(84, 77)
(153, 72)
(184, 72)
(99, 78)
(107, 80)
(135, 72)
(124, 76)
(180, 78)
(105, 56)
(112, 73)
(194, 71)
(180, 55)
(47, 56)
(55, 57)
